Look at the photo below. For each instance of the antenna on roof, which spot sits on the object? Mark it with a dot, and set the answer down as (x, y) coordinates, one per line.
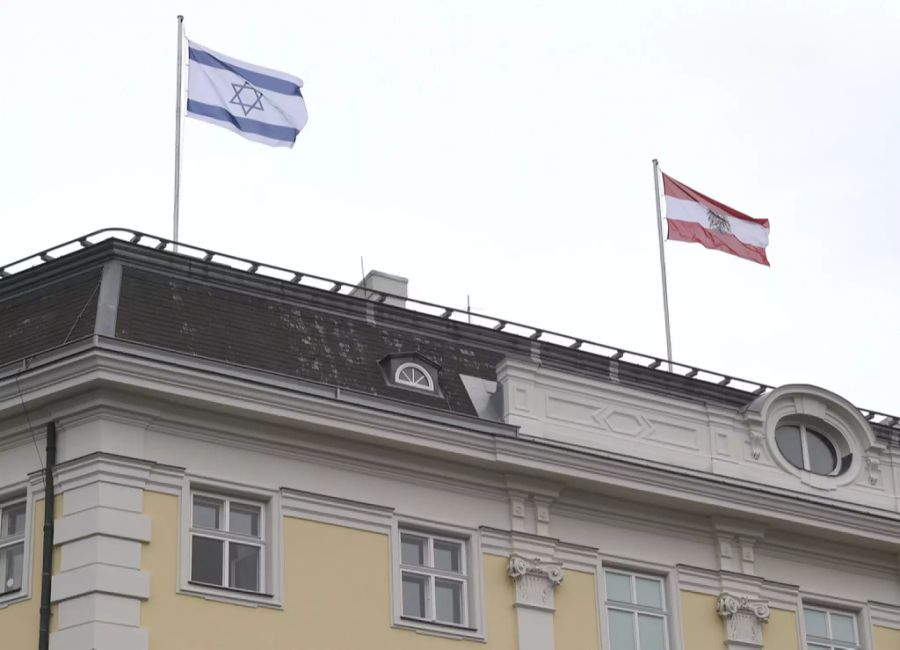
(469, 307)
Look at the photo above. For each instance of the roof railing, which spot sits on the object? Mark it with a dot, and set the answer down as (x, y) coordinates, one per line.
(421, 306)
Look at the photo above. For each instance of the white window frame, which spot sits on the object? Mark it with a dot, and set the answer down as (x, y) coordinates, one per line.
(634, 609)
(9, 498)
(473, 626)
(415, 366)
(271, 582)
(859, 619)
(804, 447)
(671, 613)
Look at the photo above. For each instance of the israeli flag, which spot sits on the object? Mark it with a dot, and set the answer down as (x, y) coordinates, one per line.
(261, 104)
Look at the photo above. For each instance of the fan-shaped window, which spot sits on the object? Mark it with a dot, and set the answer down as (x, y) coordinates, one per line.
(411, 374)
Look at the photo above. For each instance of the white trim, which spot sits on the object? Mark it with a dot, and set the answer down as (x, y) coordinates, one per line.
(429, 385)
(475, 625)
(21, 492)
(857, 609)
(272, 556)
(671, 590)
(884, 615)
(336, 511)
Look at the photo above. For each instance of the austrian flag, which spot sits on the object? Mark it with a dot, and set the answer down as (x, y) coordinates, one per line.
(694, 217)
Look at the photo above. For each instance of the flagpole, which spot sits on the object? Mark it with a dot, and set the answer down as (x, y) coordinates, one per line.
(662, 264)
(178, 118)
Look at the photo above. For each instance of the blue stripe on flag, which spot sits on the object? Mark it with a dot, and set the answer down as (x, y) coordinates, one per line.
(256, 78)
(286, 133)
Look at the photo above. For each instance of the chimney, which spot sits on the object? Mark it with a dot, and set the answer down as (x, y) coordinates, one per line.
(380, 281)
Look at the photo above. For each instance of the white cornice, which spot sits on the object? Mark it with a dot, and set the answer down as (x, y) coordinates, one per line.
(457, 439)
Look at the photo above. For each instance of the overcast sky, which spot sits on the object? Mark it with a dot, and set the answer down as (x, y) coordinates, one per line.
(502, 149)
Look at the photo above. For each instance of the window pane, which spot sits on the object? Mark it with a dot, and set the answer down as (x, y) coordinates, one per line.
(822, 456)
(621, 630)
(412, 550)
(814, 646)
(788, 440)
(448, 601)
(244, 520)
(414, 595)
(13, 522)
(618, 587)
(652, 633)
(649, 592)
(243, 566)
(207, 513)
(206, 560)
(11, 558)
(447, 556)
(815, 623)
(843, 628)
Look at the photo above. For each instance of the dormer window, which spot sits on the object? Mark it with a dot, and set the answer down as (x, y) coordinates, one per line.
(412, 374)
(411, 371)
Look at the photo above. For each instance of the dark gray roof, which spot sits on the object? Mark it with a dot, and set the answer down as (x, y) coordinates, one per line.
(199, 307)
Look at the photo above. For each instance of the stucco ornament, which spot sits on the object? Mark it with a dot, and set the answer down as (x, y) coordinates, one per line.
(744, 618)
(536, 581)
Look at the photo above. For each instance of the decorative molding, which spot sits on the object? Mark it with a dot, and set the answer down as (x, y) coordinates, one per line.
(884, 615)
(873, 467)
(757, 438)
(535, 580)
(744, 618)
(337, 511)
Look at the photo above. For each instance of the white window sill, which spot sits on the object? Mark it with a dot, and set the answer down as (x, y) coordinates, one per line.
(11, 597)
(229, 595)
(438, 629)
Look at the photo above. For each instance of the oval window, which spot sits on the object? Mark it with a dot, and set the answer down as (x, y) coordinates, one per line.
(807, 449)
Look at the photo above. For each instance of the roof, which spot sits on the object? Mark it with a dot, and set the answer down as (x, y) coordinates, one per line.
(137, 288)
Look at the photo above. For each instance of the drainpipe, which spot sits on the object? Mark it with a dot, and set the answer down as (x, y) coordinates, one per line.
(47, 569)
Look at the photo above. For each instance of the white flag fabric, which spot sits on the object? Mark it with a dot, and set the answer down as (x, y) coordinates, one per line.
(261, 104)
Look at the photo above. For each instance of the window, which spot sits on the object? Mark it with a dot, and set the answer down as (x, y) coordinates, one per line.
(434, 579)
(12, 546)
(227, 543)
(411, 374)
(636, 611)
(828, 629)
(808, 449)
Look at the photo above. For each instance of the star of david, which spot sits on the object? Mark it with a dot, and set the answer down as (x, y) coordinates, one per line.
(247, 97)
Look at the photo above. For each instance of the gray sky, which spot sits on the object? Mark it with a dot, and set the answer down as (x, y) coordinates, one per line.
(502, 149)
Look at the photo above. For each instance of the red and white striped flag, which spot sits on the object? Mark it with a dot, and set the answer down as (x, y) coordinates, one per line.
(694, 217)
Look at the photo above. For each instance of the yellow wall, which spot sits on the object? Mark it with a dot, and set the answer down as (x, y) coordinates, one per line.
(337, 589)
(886, 638)
(19, 621)
(780, 633)
(703, 629)
(576, 616)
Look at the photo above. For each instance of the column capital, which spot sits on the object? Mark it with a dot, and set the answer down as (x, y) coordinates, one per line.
(743, 618)
(536, 581)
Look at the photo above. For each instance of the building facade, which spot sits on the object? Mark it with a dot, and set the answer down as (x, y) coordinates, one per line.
(250, 457)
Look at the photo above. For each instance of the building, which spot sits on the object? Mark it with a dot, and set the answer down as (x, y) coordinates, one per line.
(250, 457)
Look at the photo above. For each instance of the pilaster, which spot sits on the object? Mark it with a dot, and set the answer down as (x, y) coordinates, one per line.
(536, 581)
(100, 584)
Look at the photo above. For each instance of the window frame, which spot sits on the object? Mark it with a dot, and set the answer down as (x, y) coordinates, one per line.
(271, 564)
(472, 579)
(15, 540)
(228, 538)
(831, 643)
(804, 428)
(668, 613)
(432, 573)
(12, 496)
(409, 384)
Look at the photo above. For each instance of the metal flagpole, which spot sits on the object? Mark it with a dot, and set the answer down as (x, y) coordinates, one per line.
(662, 264)
(178, 118)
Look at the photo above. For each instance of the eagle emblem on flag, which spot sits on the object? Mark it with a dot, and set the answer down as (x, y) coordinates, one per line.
(717, 222)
